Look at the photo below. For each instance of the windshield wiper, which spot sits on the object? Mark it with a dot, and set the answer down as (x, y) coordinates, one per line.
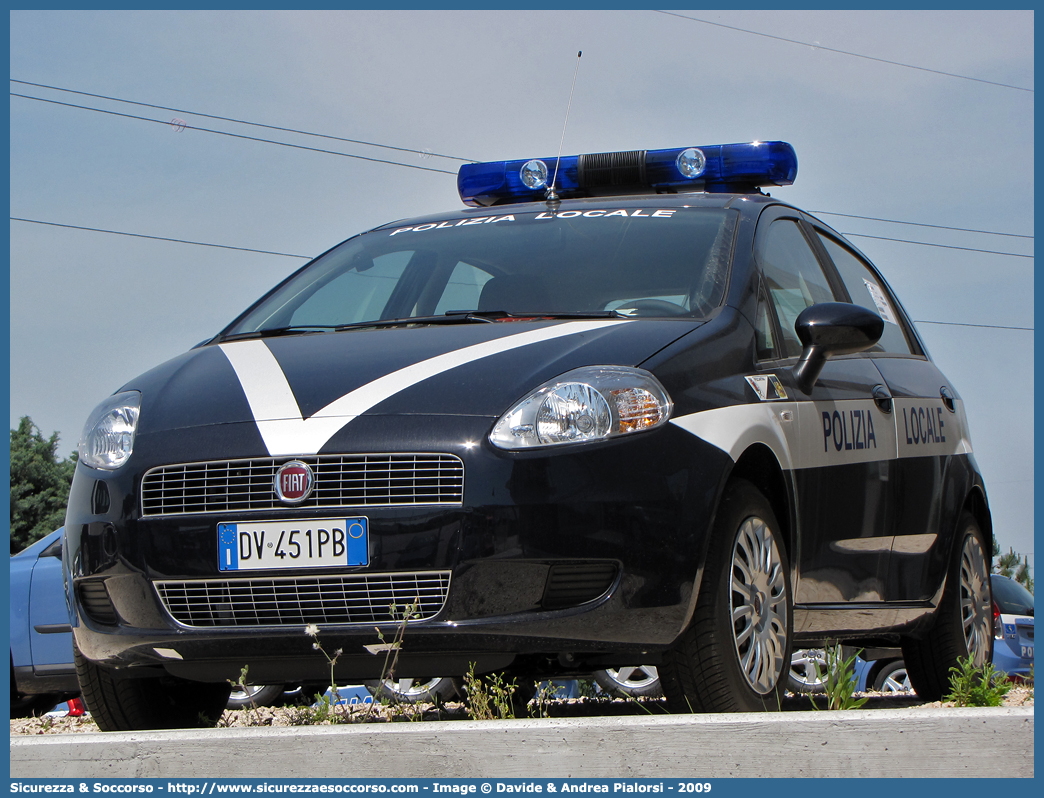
(450, 317)
(481, 317)
(496, 315)
(271, 332)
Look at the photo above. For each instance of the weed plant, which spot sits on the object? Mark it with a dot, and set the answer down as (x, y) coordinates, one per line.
(587, 689)
(253, 716)
(540, 706)
(328, 700)
(977, 687)
(489, 697)
(840, 680)
(391, 650)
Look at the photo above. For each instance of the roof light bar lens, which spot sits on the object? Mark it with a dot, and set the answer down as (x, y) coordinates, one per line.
(691, 162)
(534, 174)
(718, 168)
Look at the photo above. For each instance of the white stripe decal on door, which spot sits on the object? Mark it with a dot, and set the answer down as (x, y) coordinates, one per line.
(278, 416)
(818, 434)
(800, 434)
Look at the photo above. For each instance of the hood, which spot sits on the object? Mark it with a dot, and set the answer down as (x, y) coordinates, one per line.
(297, 392)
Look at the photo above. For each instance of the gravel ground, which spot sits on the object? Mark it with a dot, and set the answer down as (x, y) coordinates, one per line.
(1019, 696)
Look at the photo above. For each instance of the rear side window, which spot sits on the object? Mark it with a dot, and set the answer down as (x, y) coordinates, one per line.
(793, 278)
(866, 290)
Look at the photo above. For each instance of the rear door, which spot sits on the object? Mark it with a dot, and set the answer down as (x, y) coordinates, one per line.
(930, 430)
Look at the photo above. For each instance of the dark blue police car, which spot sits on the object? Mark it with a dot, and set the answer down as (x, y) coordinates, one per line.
(624, 408)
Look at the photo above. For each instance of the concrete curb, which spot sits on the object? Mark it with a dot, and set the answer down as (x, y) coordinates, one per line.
(882, 743)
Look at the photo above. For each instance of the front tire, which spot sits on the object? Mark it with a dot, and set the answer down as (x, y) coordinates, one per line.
(963, 621)
(118, 703)
(735, 655)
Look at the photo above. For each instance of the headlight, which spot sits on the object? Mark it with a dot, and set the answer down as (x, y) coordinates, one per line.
(108, 435)
(589, 404)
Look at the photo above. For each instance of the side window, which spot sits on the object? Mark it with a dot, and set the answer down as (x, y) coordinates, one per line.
(463, 288)
(866, 290)
(793, 277)
(764, 338)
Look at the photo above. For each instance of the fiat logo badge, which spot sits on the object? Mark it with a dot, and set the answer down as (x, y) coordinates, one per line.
(294, 482)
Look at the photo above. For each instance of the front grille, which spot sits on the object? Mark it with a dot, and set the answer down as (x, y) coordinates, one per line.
(300, 600)
(358, 480)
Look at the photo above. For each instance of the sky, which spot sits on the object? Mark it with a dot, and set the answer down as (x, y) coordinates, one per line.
(919, 117)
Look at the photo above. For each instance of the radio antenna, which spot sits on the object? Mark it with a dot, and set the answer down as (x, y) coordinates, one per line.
(551, 195)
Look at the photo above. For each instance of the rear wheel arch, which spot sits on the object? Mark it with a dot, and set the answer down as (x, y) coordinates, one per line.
(976, 504)
(962, 624)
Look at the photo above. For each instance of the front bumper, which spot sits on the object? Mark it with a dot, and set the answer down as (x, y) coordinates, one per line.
(585, 553)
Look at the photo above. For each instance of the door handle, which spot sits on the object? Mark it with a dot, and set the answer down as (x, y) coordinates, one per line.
(947, 399)
(882, 398)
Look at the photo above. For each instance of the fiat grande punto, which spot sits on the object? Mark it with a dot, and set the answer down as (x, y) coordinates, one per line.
(622, 407)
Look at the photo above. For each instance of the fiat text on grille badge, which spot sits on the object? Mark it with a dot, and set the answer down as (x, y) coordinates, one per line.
(294, 482)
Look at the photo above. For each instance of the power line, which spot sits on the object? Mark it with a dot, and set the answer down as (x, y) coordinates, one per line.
(235, 135)
(920, 224)
(962, 324)
(441, 171)
(943, 246)
(816, 46)
(238, 121)
(159, 238)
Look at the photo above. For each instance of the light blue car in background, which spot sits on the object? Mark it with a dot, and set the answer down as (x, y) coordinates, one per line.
(42, 671)
(1012, 627)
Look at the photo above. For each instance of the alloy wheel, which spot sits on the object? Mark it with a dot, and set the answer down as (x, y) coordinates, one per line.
(976, 610)
(759, 606)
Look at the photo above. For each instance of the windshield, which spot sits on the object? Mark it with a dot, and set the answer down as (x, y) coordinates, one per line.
(634, 262)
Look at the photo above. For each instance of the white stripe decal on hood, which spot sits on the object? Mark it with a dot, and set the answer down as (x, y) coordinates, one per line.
(278, 415)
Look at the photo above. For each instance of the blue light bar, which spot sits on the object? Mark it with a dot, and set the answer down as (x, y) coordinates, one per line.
(739, 168)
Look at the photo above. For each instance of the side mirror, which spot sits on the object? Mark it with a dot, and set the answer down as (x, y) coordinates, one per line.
(828, 329)
(54, 550)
